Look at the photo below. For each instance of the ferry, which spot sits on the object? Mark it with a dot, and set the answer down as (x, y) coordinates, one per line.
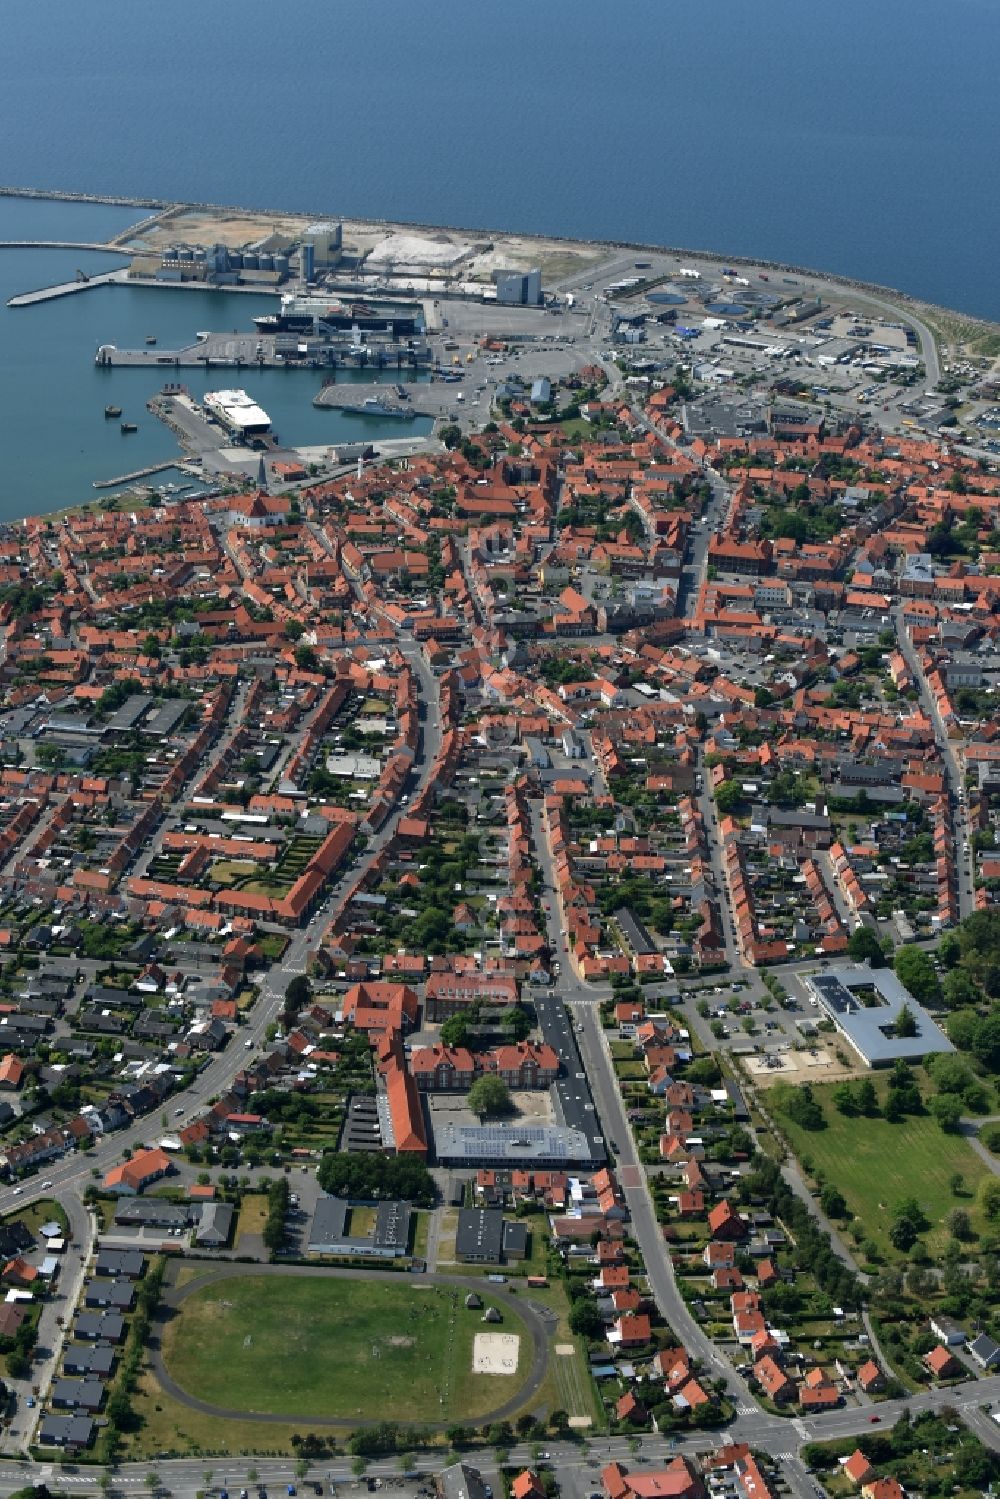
(112, 411)
(151, 338)
(130, 426)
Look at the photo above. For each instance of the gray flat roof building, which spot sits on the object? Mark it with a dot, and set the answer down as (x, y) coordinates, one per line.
(864, 1004)
(389, 1239)
(511, 1144)
(66, 1431)
(120, 1262)
(479, 1237)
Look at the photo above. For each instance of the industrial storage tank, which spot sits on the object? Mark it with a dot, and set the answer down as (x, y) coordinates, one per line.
(236, 260)
(281, 264)
(185, 254)
(251, 261)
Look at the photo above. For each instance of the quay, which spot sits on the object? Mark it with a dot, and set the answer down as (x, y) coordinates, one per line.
(352, 397)
(264, 351)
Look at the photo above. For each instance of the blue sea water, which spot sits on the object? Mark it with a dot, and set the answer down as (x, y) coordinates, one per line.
(858, 137)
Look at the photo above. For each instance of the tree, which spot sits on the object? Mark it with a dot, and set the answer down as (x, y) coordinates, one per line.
(800, 1105)
(516, 1023)
(845, 1099)
(833, 1202)
(949, 1073)
(455, 1031)
(728, 795)
(864, 947)
(306, 658)
(947, 1110)
(959, 989)
(298, 993)
(905, 1023)
(585, 1319)
(867, 1098)
(902, 1235)
(960, 1224)
(989, 1201)
(489, 1096)
(910, 1208)
(916, 972)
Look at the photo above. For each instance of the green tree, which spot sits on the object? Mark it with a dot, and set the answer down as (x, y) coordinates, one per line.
(867, 1098)
(845, 1100)
(864, 947)
(489, 1096)
(516, 1023)
(988, 1195)
(585, 1319)
(960, 1224)
(917, 973)
(905, 1023)
(958, 989)
(833, 1202)
(455, 1031)
(902, 1235)
(728, 796)
(947, 1110)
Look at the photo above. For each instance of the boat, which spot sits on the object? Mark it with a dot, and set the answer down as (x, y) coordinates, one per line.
(373, 406)
(130, 426)
(112, 411)
(151, 338)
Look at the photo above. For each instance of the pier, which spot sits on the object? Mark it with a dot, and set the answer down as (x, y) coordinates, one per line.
(66, 288)
(138, 473)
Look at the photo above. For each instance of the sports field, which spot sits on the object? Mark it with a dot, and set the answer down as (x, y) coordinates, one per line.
(320, 1346)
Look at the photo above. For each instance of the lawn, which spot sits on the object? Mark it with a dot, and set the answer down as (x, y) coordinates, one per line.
(876, 1164)
(320, 1346)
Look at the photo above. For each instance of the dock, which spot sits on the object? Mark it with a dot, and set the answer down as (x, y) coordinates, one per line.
(65, 288)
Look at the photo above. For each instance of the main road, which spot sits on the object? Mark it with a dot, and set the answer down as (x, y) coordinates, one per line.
(952, 767)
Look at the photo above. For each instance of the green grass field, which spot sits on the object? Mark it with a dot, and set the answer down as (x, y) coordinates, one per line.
(876, 1164)
(318, 1346)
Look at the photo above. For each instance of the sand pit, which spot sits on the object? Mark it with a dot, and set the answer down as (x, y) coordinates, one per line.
(815, 1066)
(495, 1353)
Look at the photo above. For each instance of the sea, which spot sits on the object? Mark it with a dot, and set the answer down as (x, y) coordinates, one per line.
(856, 137)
